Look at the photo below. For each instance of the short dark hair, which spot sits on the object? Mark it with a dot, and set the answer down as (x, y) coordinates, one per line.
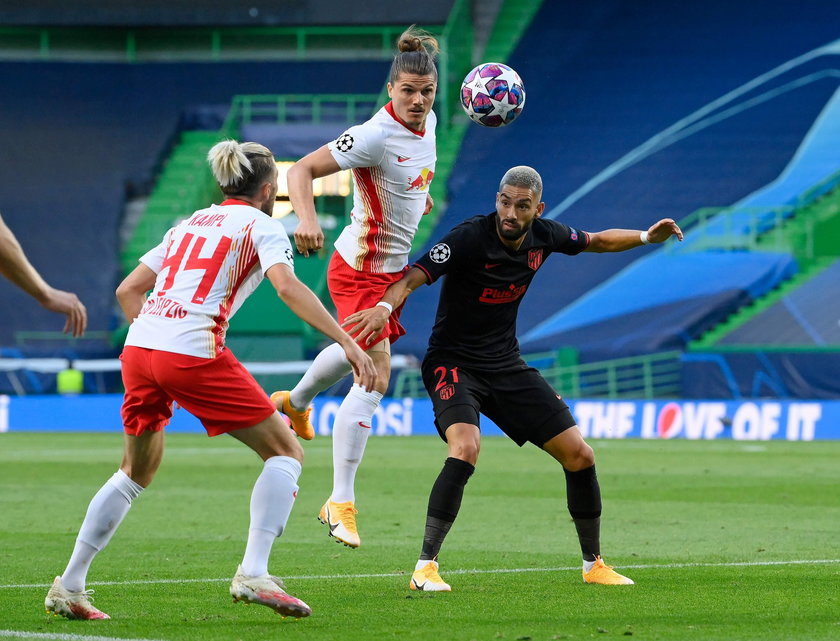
(523, 176)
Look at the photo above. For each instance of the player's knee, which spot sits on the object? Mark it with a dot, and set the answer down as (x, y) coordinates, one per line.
(287, 446)
(582, 458)
(381, 382)
(293, 450)
(141, 475)
(465, 451)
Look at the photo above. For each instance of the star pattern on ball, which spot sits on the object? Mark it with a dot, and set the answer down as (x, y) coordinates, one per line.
(500, 107)
(492, 94)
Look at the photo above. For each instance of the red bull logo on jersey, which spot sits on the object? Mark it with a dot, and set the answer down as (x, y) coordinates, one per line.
(506, 295)
(421, 182)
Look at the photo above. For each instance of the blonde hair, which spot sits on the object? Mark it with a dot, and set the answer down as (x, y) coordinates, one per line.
(240, 167)
(417, 51)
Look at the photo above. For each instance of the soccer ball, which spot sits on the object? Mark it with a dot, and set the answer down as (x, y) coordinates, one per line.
(492, 94)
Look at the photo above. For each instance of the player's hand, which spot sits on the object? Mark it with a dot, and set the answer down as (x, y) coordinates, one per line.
(366, 324)
(309, 237)
(663, 230)
(430, 203)
(364, 371)
(67, 303)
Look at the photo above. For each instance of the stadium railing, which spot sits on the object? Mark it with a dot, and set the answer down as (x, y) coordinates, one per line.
(311, 108)
(808, 232)
(764, 228)
(642, 377)
(19, 371)
(127, 44)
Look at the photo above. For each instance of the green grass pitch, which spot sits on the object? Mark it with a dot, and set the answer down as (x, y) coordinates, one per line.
(725, 540)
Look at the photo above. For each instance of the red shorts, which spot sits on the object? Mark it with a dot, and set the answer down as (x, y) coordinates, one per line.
(352, 291)
(219, 391)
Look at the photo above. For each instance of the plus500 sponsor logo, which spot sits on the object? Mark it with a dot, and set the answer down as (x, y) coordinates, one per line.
(391, 418)
(746, 421)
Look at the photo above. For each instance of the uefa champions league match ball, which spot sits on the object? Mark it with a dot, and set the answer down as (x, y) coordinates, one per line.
(492, 94)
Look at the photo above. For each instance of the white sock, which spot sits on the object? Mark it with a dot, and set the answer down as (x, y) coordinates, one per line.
(350, 438)
(271, 503)
(588, 565)
(104, 515)
(329, 367)
(422, 563)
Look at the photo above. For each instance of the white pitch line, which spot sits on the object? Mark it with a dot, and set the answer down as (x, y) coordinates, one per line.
(385, 575)
(56, 636)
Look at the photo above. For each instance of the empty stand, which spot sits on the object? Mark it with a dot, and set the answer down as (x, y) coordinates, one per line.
(76, 136)
(604, 80)
(807, 316)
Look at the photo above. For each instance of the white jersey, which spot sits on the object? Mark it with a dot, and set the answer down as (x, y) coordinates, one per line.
(393, 167)
(206, 267)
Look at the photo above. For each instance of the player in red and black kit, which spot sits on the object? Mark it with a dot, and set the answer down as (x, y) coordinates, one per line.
(473, 363)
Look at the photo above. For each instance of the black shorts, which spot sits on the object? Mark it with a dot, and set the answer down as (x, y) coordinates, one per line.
(516, 398)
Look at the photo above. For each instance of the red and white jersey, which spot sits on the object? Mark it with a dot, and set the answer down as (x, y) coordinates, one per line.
(206, 267)
(393, 167)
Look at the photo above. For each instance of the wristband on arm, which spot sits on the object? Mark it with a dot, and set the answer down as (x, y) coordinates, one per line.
(387, 306)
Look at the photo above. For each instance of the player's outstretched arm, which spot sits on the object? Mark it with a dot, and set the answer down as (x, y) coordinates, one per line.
(16, 267)
(619, 240)
(309, 309)
(319, 163)
(367, 324)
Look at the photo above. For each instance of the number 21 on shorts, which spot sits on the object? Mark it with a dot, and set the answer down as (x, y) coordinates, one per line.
(443, 387)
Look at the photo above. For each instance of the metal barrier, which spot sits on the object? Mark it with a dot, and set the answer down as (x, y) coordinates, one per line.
(198, 43)
(761, 228)
(13, 368)
(310, 108)
(641, 377)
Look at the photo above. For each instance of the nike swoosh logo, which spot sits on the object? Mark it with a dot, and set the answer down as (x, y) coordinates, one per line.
(363, 425)
(402, 158)
(330, 523)
(419, 586)
(491, 265)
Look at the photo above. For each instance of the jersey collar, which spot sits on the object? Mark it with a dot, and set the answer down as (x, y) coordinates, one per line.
(390, 109)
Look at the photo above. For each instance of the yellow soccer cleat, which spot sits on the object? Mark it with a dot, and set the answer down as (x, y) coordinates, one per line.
(427, 579)
(300, 420)
(603, 574)
(341, 519)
